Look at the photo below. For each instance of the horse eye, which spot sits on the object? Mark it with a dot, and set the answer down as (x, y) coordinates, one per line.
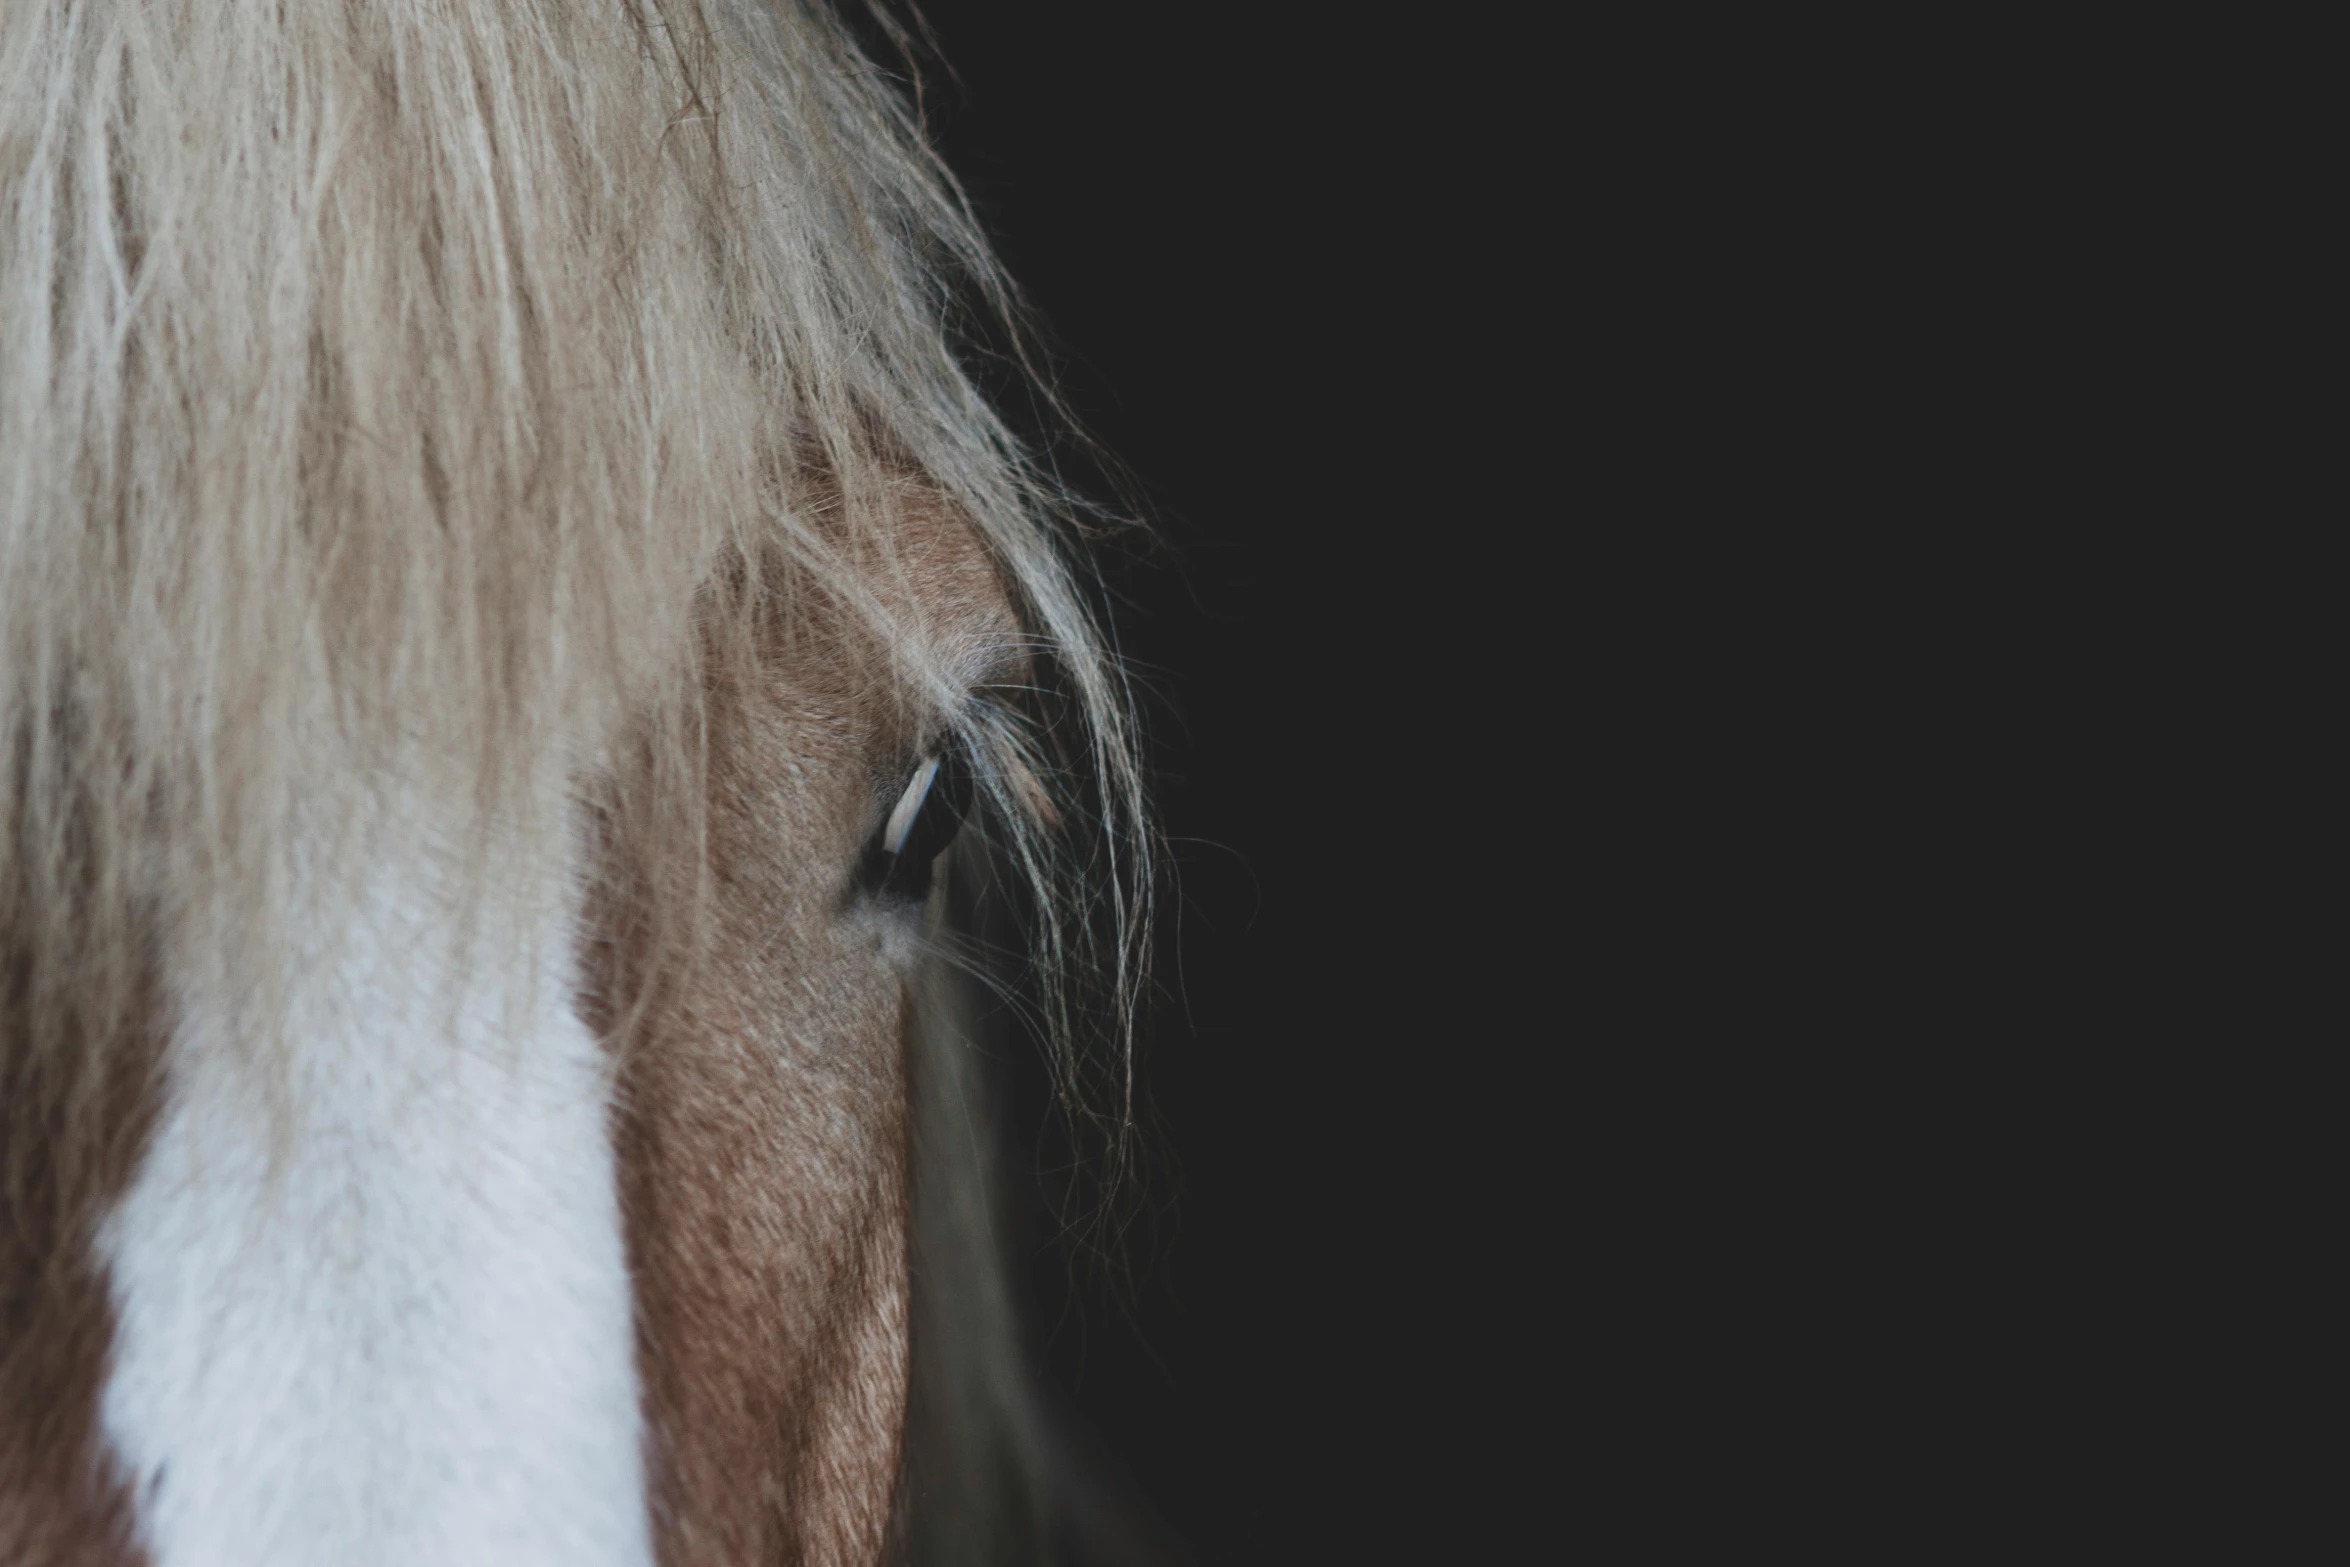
(922, 823)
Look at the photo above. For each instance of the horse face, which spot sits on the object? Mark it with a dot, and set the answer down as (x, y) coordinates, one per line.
(540, 1248)
(470, 631)
(762, 1121)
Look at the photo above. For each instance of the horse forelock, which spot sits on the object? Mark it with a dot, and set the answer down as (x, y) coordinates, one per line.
(410, 417)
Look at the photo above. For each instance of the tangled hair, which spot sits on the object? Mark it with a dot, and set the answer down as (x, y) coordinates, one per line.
(397, 386)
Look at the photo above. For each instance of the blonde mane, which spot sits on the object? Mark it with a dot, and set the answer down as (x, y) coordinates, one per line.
(444, 385)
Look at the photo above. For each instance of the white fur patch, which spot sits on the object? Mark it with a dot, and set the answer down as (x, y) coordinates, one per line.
(408, 1338)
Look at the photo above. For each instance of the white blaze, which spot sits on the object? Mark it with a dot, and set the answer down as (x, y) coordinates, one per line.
(406, 1338)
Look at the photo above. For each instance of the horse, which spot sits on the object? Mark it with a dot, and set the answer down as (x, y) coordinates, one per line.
(520, 627)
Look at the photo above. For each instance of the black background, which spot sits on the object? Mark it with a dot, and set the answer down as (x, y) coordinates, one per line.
(1636, 506)
(1281, 297)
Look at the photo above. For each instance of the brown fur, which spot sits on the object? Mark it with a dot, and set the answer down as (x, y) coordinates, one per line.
(763, 1100)
(61, 1502)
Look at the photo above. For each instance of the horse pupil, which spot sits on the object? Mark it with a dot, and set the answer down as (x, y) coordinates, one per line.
(939, 792)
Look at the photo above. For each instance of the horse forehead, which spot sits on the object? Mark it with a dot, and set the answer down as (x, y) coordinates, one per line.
(944, 610)
(952, 589)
